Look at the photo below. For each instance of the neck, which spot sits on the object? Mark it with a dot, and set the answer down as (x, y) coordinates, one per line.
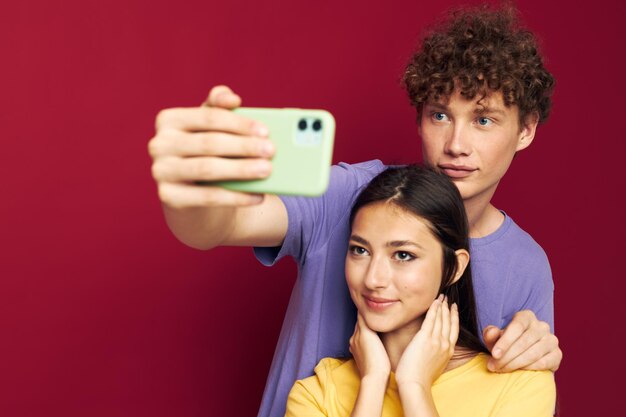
(482, 216)
(396, 341)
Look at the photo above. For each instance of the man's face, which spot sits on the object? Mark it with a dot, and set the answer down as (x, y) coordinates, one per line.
(473, 143)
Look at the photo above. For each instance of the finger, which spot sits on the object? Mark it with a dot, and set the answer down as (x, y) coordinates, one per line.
(523, 331)
(550, 361)
(222, 96)
(199, 119)
(527, 349)
(429, 320)
(491, 334)
(209, 169)
(184, 195)
(438, 319)
(454, 325)
(174, 142)
(509, 336)
(445, 320)
(536, 357)
(506, 353)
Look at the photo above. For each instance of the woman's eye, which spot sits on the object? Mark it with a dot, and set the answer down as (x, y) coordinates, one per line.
(358, 250)
(484, 121)
(403, 256)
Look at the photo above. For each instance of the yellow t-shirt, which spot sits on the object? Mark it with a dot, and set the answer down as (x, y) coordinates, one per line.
(466, 391)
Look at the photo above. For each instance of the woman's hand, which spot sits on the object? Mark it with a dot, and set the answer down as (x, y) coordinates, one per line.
(427, 355)
(372, 360)
(369, 353)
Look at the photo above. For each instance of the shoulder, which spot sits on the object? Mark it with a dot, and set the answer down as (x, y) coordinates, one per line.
(346, 182)
(527, 254)
(480, 392)
(523, 382)
(327, 371)
(535, 391)
(523, 240)
(519, 382)
(333, 370)
(356, 175)
(320, 391)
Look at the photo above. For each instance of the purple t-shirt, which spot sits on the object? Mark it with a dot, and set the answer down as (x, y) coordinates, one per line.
(510, 272)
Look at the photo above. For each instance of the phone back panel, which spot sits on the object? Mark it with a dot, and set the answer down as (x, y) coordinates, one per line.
(304, 144)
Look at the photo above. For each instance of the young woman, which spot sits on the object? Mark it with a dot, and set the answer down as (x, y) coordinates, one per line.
(413, 356)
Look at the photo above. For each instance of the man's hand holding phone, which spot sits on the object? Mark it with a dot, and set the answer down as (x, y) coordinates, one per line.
(208, 143)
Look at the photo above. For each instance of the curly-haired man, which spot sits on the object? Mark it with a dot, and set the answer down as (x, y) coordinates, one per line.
(480, 90)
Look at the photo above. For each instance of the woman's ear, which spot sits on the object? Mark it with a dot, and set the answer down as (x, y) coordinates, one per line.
(462, 260)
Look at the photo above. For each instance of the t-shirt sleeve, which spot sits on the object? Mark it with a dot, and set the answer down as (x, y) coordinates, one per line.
(305, 399)
(532, 394)
(311, 220)
(533, 277)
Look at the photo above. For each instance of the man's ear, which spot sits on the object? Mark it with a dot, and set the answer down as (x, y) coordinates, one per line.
(462, 260)
(527, 132)
(420, 113)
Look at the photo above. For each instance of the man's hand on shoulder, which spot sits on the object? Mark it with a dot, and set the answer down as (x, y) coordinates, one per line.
(526, 343)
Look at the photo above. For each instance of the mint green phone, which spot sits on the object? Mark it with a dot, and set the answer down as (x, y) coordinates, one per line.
(304, 145)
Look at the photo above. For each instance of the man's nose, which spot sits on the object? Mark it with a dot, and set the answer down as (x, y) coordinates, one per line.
(457, 142)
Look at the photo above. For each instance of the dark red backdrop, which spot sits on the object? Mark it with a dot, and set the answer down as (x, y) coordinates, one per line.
(104, 313)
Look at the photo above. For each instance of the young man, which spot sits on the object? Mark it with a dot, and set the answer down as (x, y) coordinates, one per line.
(480, 89)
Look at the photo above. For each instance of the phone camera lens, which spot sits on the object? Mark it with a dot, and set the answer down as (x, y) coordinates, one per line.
(302, 124)
(317, 125)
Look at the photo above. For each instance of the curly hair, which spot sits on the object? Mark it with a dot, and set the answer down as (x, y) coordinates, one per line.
(479, 51)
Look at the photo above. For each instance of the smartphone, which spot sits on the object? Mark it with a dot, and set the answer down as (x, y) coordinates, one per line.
(304, 145)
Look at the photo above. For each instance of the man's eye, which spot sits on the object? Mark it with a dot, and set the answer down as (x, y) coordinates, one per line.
(484, 121)
(403, 256)
(439, 116)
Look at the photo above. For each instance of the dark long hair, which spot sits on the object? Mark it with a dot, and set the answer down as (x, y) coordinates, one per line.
(433, 197)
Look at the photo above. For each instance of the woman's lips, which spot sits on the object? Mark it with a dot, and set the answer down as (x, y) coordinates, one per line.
(456, 171)
(379, 304)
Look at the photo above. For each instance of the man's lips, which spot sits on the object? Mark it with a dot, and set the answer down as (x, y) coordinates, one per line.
(456, 171)
(378, 304)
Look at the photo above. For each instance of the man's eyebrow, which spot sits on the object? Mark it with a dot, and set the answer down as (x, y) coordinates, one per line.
(437, 106)
(489, 110)
(401, 243)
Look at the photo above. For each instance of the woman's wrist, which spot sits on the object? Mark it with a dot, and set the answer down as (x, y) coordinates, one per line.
(417, 399)
(378, 380)
(371, 396)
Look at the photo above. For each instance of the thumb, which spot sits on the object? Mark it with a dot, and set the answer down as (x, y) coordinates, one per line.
(491, 334)
(222, 96)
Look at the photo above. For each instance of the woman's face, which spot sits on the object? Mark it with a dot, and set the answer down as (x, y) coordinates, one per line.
(393, 267)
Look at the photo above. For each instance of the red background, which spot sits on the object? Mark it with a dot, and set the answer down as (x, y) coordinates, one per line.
(104, 313)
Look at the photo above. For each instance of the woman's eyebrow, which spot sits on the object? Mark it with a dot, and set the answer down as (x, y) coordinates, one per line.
(401, 243)
(359, 239)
